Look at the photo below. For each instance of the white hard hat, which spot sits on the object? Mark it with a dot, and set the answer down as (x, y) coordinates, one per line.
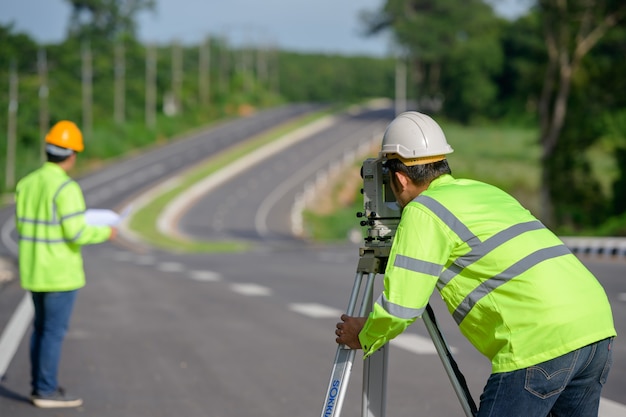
(415, 139)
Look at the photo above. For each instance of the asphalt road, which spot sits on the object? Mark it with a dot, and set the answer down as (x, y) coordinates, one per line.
(161, 334)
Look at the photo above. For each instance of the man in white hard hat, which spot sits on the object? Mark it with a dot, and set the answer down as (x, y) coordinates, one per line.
(515, 290)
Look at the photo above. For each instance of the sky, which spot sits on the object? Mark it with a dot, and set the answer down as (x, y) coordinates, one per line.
(326, 26)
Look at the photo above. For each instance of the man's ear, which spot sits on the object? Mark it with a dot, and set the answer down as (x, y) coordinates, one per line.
(402, 180)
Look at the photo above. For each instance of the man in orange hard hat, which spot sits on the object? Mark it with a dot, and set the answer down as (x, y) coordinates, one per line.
(50, 220)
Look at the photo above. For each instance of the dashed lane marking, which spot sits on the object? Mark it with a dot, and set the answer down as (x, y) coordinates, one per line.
(123, 256)
(315, 310)
(207, 276)
(171, 267)
(416, 344)
(145, 260)
(251, 289)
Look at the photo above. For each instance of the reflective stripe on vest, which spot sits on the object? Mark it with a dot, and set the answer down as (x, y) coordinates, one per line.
(398, 310)
(55, 221)
(478, 250)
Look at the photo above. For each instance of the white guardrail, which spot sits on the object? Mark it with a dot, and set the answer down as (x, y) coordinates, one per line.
(600, 246)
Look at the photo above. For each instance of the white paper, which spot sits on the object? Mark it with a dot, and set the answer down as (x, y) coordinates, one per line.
(104, 217)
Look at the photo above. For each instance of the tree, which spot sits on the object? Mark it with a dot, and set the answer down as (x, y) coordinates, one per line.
(571, 29)
(107, 19)
(442, 38)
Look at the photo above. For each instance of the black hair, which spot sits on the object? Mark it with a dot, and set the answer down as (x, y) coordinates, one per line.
(56, 158)
(420, 174)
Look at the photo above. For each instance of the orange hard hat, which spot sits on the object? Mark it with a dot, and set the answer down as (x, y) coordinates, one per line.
(66, 134)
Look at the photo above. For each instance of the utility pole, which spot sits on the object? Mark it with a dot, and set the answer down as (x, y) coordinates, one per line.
(261, 66)
(12, 127)
(400, 101)
(151, 72)
(245, 65)
(204, 71)
(87, 75)
(177, 75)
(120, 71)
(224, 64)
(275, 73)
(44, 116)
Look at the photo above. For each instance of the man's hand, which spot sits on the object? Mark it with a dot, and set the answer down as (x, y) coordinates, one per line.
(113, 234)
(348, 331)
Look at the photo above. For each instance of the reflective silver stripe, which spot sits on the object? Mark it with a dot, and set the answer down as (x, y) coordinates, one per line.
(36, 221)
(505, 276)
(68, 216)
(449, 219)
(417, 265)
(54, 206)
(77, 235)
(397, 310)
(479, 251)
(39, 240)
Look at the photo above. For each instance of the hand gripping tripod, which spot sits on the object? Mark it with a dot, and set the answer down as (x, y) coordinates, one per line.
(372, 261)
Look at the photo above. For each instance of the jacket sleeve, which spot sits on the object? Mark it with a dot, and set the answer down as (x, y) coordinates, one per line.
(70, 206)
(419, 252)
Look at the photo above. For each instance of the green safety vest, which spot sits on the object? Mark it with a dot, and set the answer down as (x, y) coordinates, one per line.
(515, 290)
(50, 220)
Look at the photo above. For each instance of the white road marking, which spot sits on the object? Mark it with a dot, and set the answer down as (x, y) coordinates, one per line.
(123, 256)
(417, 344)
(208, 276)
(145, 260)
(315, 310)
(170, 267)
(14, 332)
(251, 289)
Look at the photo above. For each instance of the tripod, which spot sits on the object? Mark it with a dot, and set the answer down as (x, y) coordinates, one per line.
(372, 261)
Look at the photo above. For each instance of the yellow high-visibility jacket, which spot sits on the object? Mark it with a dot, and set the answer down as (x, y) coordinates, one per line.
(515, 290)
(50, 220)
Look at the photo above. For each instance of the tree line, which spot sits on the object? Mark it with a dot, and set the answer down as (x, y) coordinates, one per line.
(557, 68)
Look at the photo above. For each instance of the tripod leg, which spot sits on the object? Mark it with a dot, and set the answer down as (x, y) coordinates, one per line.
(454, 373)
(344, 358)
(375, 383)
(375, 379)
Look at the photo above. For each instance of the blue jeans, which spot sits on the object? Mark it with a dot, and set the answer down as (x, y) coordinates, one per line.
(52, 317)
(567, 386)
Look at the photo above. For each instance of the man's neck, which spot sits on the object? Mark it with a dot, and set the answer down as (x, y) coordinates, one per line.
(68, 164)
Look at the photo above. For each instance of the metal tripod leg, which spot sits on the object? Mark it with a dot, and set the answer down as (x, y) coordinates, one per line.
(375, 383)
(456, 377)
(344, 357)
